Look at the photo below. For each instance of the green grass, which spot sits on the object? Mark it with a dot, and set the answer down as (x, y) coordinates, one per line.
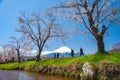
(93, 58)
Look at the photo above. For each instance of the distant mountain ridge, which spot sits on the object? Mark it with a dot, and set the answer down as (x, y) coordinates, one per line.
(63, 52)
(62, 49)
(61, 55)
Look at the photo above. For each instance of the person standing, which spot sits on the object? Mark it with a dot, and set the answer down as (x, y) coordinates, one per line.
(72, 52)
(57, 55)
(54, 55)
(81, 52)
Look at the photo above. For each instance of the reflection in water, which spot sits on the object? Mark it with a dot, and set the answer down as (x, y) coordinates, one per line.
(24, 76)
(20, 75)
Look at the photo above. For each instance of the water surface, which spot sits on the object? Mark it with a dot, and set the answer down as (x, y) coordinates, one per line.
(21, 75)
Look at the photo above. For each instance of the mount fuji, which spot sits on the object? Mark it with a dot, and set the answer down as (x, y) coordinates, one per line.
(63, 51)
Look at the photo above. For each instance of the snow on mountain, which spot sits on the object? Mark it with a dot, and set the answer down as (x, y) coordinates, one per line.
(62, 49)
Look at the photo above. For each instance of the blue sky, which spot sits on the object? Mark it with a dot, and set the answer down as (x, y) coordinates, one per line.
(10, 10)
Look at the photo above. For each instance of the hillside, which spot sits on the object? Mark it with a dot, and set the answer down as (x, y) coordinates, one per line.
(71, 67)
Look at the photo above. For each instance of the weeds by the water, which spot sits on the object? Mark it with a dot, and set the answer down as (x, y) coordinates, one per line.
(72, 66)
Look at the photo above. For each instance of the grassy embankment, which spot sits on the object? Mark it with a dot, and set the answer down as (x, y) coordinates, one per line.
(72, 66)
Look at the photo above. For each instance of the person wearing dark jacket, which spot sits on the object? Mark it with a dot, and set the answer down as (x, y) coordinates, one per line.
(57, 55)
(81, 52)
(72, 52)
(54, 55)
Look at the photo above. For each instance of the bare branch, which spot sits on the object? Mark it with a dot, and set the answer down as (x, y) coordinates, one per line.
(69, 6)
(41, 29)
(20, 45)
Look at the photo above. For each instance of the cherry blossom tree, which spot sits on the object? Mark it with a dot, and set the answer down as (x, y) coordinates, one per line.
(6, 50)
(96, 15)
(40, 28)
(20, 45)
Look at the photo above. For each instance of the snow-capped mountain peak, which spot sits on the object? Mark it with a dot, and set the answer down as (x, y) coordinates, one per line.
(62, 49)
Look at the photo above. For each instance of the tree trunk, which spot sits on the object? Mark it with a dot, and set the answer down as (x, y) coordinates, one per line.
(19, 60)
(40, 47)
(100, 44)
(39, 53)
(38, 56)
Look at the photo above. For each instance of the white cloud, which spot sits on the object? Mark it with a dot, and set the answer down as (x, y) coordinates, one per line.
(1, 49)
(62, 49)
(46, 52)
